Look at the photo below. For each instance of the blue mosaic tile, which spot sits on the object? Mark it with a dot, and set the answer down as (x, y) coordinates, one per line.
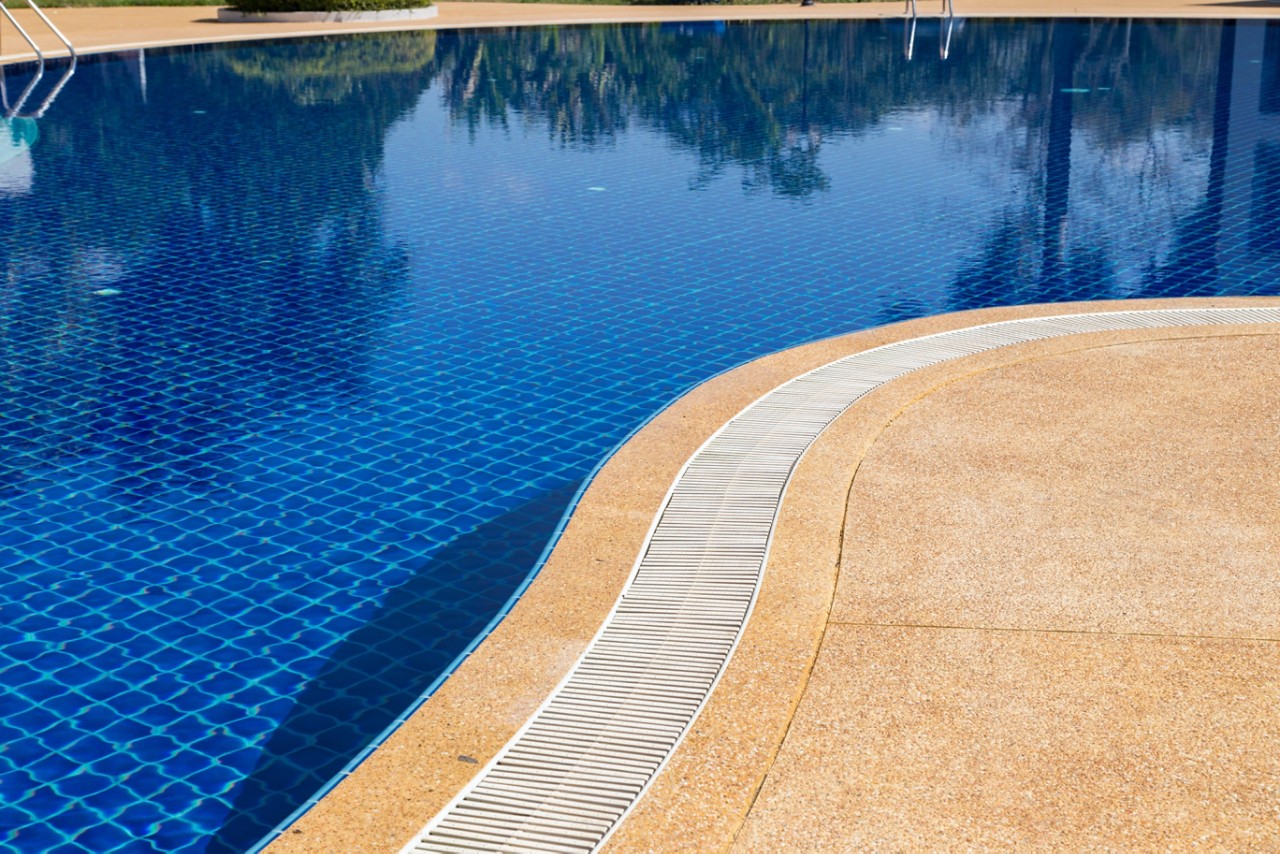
(303, 367)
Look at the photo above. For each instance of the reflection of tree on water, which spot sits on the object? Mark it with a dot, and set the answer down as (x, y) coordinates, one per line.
(760, 99)
(186, 274)
(793, 169)
(1119, 84)
(1193, 263)
(336, 70)
(1065, 52)
(1229, 242)
(150, 363)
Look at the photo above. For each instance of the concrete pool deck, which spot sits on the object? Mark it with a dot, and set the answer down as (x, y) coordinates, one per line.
(127, 28)
(1026, 598)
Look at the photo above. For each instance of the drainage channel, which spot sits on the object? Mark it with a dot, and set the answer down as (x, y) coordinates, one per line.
(572, 773)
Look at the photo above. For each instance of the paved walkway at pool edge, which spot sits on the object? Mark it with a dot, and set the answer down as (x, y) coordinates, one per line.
(592, 750)
(983, 620)
(127, 28)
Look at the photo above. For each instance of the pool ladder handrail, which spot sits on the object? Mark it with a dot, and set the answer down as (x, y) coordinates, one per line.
(948, 8)
(15, 111)
(944, 40)
(48, 23)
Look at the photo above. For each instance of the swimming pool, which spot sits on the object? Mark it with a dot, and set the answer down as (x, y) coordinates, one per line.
(309, 345)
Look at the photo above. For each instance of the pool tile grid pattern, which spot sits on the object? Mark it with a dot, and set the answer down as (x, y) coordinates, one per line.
(572, 773)
(253, 453)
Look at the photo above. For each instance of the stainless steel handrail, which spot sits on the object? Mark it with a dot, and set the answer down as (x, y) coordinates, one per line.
(948, 8)
(11, 112)
(24, 34)
(27, 36)
(16, 109)
(57, 32)
(944, 33)
(53, 93)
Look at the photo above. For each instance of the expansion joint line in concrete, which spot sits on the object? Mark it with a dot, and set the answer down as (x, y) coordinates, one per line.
(576, 768)
(1036, 630)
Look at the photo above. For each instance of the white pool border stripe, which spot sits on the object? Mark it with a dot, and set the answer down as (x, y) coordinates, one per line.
(595, 776)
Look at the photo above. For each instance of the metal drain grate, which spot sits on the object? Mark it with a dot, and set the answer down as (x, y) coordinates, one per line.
(570, 775)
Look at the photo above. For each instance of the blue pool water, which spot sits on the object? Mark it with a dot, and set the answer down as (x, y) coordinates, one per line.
(308, 346)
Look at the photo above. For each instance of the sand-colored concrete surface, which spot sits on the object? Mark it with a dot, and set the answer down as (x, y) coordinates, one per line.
(703, 797)
(701, 800)
(1076, 644)
(930, 739)
(1140, 503)
(123, 28)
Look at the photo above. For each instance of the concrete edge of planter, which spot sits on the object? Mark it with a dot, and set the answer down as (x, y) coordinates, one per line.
(231, 16)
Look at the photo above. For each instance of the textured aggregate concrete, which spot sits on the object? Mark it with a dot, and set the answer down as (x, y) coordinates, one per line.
(702, 798)
(1057, 621)
(111, 29)
(1140, 500)
(914, 738)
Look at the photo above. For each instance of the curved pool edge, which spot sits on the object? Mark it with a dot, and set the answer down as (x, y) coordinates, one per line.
(96, 30)
(516, 595)
(436, 752)
(710, 784)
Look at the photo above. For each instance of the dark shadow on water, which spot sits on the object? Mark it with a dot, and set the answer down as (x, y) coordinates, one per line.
(386, 664)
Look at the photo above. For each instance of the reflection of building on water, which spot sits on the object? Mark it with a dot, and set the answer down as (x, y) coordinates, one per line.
(16, 171)
(1249, 242)
(18, 130)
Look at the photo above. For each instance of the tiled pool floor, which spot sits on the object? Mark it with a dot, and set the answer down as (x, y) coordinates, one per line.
(1018, 624)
